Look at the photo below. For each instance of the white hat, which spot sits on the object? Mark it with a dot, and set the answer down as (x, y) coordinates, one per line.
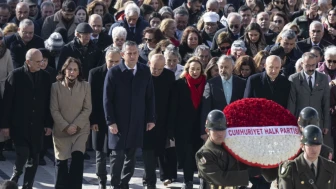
(210, 17)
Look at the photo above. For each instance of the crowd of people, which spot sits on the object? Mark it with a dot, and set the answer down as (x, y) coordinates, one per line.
(145, 74)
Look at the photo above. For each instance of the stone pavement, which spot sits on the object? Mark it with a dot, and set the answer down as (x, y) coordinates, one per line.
(45, 174)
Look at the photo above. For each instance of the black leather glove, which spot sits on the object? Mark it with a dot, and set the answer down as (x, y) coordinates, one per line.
(254, 171)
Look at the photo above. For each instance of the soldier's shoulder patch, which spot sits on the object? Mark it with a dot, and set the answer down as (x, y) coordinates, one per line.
(285, 167)
(203, 160)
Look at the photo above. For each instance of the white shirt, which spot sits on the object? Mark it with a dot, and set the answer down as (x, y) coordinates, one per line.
(92, 38)
(313, 44)
(135, 69)
(312, 79)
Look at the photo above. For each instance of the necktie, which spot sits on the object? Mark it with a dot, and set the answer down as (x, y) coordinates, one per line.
(310, 83)
(312, 168)
(132, 29)
(131, 72)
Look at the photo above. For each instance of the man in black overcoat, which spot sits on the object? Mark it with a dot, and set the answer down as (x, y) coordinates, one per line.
(20, 42)
(215, 96)
(269, 84)
(129, 106)
(97, 117)
(100, 38)
(82, 48)
(155, 139)
(27, 117)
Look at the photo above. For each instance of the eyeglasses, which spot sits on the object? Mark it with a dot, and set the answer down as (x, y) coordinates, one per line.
(234, 26)
(278, 21)
(147, 40)
(331, 61)
(279, 2)
(224, 48)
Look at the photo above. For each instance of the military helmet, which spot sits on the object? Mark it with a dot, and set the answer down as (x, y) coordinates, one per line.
(216, 120)
(308, 116)
(312, 135)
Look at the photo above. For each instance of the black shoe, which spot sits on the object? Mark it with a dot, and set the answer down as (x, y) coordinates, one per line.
(150, 187)
(102, 186)
(124, 186)
(102, 183)
(115, 187)
(187, 185)
(15, 178)
(42, 162)
(2, 157)
(86, 156)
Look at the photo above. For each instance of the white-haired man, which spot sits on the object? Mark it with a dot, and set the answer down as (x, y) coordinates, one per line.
(133, 23)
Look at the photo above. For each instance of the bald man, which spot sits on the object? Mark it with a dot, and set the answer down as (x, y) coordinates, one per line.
(101, 39)
(269, 84)
(21, 13)
(28, 119)
(155, 139)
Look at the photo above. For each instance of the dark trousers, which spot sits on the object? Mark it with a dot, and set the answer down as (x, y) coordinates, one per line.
(189, 165)
(70, 177)
(168, 164)
(122, 166)
(259, 183)
(2, 145)
(24, 155)
(150, 160)
(101, 165)
(47, 142)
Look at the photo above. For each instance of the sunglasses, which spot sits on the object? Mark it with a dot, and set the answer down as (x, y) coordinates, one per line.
(234, 26)
(280, 2)
(331, 61)
(148, 40)
(278, 21)
(224, 48)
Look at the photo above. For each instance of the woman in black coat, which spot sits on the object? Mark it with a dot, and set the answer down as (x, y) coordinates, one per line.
(185, 114)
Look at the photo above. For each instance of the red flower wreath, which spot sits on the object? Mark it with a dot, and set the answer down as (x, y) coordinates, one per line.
(257, 112)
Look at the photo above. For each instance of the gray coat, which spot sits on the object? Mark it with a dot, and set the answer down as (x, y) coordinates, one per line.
(55, 21)
(300, 96)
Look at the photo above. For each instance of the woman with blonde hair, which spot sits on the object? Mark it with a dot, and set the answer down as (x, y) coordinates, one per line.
(70, 106)
(185, 120)
(260, 60)
(10, 29)
(168, 28)
(156, 4)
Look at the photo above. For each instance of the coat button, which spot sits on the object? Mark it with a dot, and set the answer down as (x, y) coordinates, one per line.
(33, 111)
(329, 181)
(302, 182)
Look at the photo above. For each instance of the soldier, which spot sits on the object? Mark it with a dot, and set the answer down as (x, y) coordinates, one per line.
(309, 116)
(308, 170)
(215, 165)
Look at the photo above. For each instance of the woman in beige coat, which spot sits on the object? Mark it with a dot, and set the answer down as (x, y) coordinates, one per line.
(70, 108)
(6, 66)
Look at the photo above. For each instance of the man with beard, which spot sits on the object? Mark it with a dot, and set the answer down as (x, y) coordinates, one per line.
(64, 18)
(222, 90)
(310, 88)
(4, 15)
(34, 12)
(194, 9)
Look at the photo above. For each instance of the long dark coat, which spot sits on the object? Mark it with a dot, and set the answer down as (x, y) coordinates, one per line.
(89, 59)
(96, 80)
(156, 138)
(18, 49)
(184, 120)
(27, 107)
(259, 86)
(129, 102)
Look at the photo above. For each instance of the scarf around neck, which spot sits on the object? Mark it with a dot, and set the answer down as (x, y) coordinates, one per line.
(196, 87)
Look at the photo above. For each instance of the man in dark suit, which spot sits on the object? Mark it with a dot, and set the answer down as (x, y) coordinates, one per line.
(269, 84)
(97, 117)
(129, 107)
(27, 117)
(155, 140)
(133, 23)
(221, 90)
(101, 39)
(316, 32)
(311, 88)
(19, 43)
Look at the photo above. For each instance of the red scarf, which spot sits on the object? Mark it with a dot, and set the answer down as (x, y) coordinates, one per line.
(196, 92)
